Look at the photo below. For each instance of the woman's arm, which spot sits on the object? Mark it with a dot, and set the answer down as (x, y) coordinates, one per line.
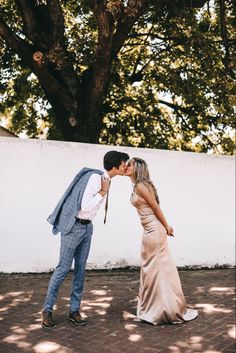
(149, 197)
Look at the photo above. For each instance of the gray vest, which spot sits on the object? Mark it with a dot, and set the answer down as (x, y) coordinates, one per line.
(64, 215)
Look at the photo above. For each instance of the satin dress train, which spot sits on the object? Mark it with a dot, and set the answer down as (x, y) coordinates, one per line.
(161, 299)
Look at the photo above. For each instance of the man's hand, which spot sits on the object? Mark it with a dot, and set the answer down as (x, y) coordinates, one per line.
(105, 184)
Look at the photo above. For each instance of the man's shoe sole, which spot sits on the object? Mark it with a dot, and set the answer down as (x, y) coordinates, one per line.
(77, 323)
(44, 326)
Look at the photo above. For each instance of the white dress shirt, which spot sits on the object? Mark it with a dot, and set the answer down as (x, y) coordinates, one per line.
(92, 200)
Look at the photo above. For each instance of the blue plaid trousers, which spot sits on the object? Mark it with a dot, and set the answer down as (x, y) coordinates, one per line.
(74, 245)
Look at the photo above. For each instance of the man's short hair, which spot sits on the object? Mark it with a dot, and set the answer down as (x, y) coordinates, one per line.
(114, 159)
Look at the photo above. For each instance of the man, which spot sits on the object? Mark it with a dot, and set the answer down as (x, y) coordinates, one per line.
(73, 217)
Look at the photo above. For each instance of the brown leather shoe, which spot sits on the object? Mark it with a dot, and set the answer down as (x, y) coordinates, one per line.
(76, 318)
(47, 320)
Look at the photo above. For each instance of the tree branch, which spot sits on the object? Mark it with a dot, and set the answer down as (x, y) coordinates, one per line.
(224, 36)
(191, 3)
(105, 24)
(174, 106)
(36, 61)
(131, 14)
(156, 36)
(133, 10)
(139, 56)
(21, 47)
(54, 91)
(96, 81)
(30, 25)
(57, 20)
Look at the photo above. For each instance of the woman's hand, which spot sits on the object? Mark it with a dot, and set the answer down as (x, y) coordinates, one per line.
(169, 230)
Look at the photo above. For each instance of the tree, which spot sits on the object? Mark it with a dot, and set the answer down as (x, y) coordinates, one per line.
(136, 72)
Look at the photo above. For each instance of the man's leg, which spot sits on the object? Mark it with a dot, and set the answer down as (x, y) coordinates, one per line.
(80, 257)
(67, 251)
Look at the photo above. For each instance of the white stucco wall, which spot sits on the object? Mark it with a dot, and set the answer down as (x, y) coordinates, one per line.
(196, 193)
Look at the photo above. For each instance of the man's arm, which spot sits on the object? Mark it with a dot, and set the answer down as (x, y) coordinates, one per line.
(93, 193)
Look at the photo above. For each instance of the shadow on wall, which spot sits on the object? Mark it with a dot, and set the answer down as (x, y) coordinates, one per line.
(109, 303)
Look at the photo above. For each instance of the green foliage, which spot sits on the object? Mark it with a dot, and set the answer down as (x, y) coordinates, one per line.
(169, 85)
(172, 90)
(21, 99)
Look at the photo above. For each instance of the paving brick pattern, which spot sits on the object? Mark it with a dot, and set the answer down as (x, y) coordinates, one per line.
(109, 304)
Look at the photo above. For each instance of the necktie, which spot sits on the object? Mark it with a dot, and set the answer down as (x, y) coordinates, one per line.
(106, 204)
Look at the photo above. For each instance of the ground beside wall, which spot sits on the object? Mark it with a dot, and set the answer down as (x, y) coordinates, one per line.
(109, 303)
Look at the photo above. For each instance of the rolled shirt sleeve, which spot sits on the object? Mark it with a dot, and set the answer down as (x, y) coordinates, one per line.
(91, 199)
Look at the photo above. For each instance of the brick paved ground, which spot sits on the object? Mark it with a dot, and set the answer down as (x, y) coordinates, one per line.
(109, 304)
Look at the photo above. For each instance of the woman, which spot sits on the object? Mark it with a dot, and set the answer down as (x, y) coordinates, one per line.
(161, 299)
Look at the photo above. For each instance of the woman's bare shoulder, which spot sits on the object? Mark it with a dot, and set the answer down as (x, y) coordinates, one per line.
(141, 187)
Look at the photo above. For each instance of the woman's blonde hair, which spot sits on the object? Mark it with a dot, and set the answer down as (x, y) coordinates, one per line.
(141, 175)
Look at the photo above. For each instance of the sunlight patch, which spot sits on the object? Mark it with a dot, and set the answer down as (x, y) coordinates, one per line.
(130, 327)
(101, 312)
(195, 339)
(220, 289)
(23, 345)
(102, 305)
(67, 299)
(105, 298)
(18, 329)
(13, 338)
(200, 289)
(174, 349)
(134, 338)
(98, 292)
(86, 307)
(14, 294)
(211, 308)
(33, 327)
(21, 300)
(46, 347)
(126, 315)
(232, 332)
(182, 344)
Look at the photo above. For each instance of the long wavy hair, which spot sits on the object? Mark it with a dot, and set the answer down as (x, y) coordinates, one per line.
(141, 175)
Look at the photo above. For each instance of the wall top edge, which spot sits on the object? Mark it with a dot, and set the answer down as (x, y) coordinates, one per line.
(17, 140)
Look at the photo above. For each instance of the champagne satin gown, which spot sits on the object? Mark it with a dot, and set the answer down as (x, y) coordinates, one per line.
(161, 299)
